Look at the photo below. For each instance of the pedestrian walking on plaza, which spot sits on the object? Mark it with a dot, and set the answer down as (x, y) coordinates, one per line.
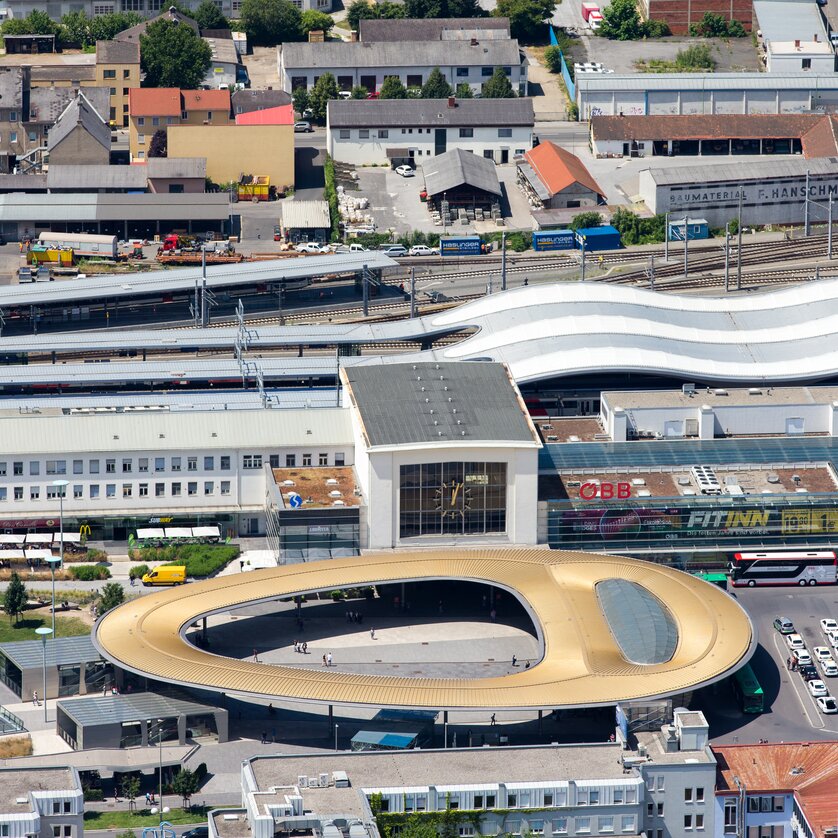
(372, 634)
(484, 601)
(255, 656)
(147, 799)
(788, 663)
(324, 660)
(296, 646)
(264, 736)
(492, 721)
(329, 659)
(305, 648)
(493, 615)
(35, 697)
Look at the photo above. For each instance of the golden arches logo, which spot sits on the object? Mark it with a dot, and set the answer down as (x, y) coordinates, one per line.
(84, 530)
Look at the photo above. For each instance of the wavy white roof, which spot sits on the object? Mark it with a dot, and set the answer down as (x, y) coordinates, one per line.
(571, 328)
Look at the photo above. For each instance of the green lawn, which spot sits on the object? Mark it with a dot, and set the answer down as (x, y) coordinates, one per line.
(25, 627)
(142, 817)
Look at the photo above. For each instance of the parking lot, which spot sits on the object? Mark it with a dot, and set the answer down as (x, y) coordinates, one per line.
(791, 713)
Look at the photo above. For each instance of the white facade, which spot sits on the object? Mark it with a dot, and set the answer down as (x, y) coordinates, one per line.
(717, 413)
(799, 57)
(368, 146)
(54, 810)
(769, 814)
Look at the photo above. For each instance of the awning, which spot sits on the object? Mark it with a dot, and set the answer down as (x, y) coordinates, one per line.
(393, 153)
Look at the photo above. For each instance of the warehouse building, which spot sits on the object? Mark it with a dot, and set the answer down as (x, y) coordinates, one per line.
(812, 135)
(461, 181)
(553, 178)
(378, 131)
(304, 221)
(771, 192)
(661, 94)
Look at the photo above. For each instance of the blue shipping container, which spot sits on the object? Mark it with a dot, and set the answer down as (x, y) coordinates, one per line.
(598, 238)
(460, 246)
(553, 240)
(697, 228)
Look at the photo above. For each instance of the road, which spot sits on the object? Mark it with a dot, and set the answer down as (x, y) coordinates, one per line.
(791, 714)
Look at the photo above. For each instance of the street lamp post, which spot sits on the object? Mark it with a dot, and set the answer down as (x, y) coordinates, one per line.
(44, 632)
(336, 735)
(61, 485)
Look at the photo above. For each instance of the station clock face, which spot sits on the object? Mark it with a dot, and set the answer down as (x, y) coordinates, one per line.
(454, 499)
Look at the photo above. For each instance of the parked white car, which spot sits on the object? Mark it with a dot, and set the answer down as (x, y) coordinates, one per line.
(827, 705)
(832, 637)
(801, 656)
(795, 641)
(817, 688)
(423, 250)
(822, 653)
(829, 668)
(405, 171)
(311, 247)
(829, 625)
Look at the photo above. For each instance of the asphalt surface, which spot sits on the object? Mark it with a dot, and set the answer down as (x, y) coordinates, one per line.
(791, 714)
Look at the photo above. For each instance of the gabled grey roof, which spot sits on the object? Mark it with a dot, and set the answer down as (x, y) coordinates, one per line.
(49, 73)
(130, 707)
(433, 29)
(245, 101)
(400, 404)
(424, 113)
(79, 113)
(299, 215)
(724, 172)
(457, 167)
(339, 54)
(28, 654)
(47, 103)
(117, 52)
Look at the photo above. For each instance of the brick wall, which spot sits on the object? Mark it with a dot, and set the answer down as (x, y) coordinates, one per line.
(679, 14)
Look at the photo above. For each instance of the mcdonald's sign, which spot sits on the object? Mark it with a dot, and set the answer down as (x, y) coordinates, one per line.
(84, 531)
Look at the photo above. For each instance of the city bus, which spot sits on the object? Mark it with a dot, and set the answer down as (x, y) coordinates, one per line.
(747, 690)
(788, 567)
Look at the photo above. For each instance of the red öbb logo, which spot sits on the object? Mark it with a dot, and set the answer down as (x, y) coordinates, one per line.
(605, 491)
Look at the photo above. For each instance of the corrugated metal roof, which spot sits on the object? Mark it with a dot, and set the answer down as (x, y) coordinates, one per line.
(789, 20)
(82, 207)
(300, 215)
(29, 654)
(395, 113)
(130, 707)
(176, 167)
(582, 664)
(161, 430)
(405, 404)
(340, 54)
(432, 29)
(760, 170)
(218, 276)
(606, 82)
(95, 177)
(457, 167)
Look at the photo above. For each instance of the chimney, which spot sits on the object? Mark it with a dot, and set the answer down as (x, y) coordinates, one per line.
(816, 37)
(316, 36)
(452, 102)
(353, 36)
(474, 42)
(797, 44)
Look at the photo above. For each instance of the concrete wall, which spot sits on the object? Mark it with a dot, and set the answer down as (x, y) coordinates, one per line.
(574, 195)
(161, 184)
(234, 150)
(79, 147)
(369, 146)
(676, 777)
(819, 62)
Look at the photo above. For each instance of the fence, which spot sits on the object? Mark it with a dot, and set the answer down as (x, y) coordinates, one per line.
(568, 81)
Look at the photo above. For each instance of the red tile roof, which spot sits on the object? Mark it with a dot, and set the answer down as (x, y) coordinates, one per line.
(154, 101)
(808, 769)
(557, 168)
(280, 115)
(206, 100)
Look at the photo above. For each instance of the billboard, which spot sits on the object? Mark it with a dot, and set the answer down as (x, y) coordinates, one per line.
(460, 246)
(553, 240)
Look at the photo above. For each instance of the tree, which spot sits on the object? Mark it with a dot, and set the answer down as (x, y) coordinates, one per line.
(76, 28)
(209, 16)
(717, 26)
(173, 56)
(585, 219)
(499, 86)
(271, 22)
(443, 8)
(312, 20)
(360, 10)
(325, 90)
(106, 27)
(436, 87)
(392, 88)
(526, 17)
(621, 21)
(695, 57)
(111, 596)
(388, 10)
(185, 783)
(359, 92)
(159, 145)
(35, 23)
(15, 598)
(464, 91)
(301, 100)
(130, 787)
(553, 59)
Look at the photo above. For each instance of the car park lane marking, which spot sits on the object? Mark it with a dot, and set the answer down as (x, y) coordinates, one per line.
(784, 653)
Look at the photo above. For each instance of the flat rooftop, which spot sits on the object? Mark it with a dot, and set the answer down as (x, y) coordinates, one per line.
(571, 429)
(318, 487)
(679, 482)
(231, 823)
(17, 783)
(480, 766)
(720, 397)
(653, 741)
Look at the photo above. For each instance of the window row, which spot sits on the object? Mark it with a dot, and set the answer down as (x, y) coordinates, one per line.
(582, 826)
(695, 821)
(366, 134)
(694, 795)
(127, 491)
(766, 803)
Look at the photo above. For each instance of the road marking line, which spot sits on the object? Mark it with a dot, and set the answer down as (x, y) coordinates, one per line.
(796, 691)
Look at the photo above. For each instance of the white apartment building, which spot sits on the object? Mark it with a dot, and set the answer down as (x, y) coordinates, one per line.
(378, 131)
(367, 64)
(41, 803)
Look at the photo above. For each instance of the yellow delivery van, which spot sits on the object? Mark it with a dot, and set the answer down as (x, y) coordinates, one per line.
(171, 575)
